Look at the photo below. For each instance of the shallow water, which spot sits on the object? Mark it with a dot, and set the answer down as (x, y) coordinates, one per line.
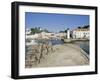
(55, 42)
(52, 41)
(84, 45)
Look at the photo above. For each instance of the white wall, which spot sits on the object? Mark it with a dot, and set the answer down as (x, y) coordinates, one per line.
(5, 40)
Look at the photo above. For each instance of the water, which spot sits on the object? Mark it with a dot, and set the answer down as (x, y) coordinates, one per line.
(52, 41)
(56, 42)
(84, 45)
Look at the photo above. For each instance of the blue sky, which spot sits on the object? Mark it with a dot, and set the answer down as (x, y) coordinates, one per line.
(55, 22)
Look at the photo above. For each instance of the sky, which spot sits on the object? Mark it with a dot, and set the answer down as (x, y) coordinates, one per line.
(55, 22)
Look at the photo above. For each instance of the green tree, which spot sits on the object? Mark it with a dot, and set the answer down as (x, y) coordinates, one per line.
(35, 30)
(66, 31)
(86, 26)
(79, 27)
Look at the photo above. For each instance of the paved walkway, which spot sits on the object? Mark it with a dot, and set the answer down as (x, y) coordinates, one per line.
(64, 55)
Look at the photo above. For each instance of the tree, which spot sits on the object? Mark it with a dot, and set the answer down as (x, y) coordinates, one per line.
(86, 26)
(35, 30)
(61, 31)
(79, 27)
(66, 31)
(38, 30)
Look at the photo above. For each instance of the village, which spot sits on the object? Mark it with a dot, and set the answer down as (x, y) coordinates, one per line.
(44, 45)
(79, 33)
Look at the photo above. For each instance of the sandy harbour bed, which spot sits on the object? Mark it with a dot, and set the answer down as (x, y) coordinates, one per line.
(64, 55)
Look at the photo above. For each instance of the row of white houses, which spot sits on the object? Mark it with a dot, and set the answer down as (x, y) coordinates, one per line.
(78, 33)
(81, 33)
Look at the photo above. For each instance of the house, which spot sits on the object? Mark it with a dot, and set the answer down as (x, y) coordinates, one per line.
(28, 31)
(81, 33)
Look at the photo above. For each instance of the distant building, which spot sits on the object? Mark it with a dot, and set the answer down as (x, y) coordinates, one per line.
(68, 33)
(81, 33)
(28, 31)
(32, 36)
(44, 35)
(60, 35)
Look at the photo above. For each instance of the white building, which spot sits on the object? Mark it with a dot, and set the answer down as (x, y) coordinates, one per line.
(46, 35)
(81, 33)
(60, 35)
(28, 31)
(68, 34)
(32, 36)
